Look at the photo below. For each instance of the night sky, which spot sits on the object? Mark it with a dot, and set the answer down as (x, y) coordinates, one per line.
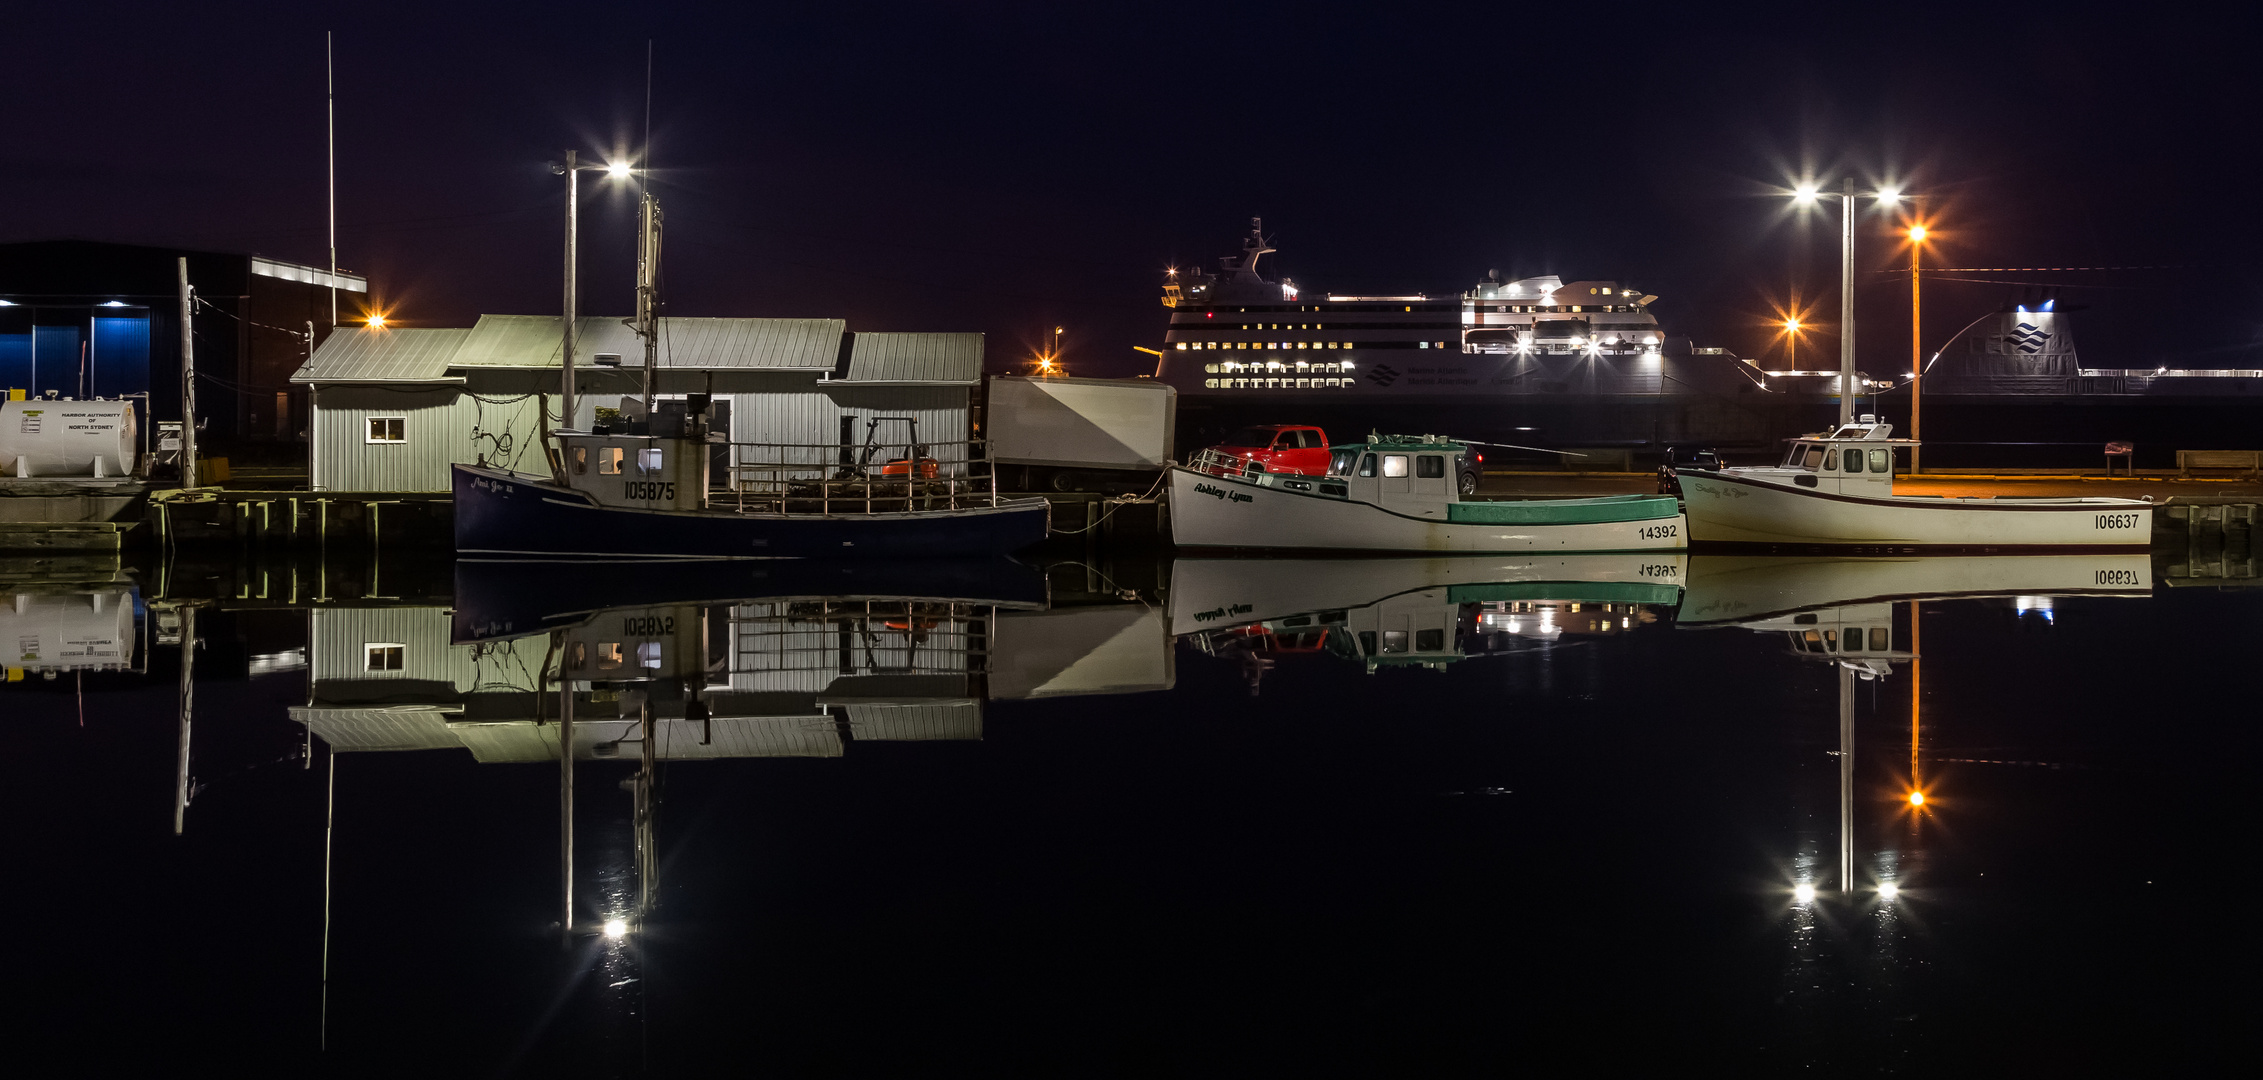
(1012, 167)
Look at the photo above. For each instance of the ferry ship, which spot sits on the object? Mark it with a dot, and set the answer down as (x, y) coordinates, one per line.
(1530, 360)
(1584, 365)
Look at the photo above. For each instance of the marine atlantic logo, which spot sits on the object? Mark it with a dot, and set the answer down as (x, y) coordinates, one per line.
(2029, 339)
(1383, 375)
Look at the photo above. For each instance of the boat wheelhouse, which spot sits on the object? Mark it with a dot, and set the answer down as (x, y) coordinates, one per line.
(1398, 493)
(1836, 489)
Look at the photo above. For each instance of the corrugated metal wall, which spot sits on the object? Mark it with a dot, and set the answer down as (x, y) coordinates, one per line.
(439, 423)
(814, 417)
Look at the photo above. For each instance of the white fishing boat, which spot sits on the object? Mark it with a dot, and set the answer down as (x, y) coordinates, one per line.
(1837, 490)
(1397, 493)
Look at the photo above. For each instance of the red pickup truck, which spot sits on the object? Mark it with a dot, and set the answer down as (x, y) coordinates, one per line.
(1280, 448)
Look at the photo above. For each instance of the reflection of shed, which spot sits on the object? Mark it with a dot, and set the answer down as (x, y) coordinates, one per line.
(789, 679)
(394, 408)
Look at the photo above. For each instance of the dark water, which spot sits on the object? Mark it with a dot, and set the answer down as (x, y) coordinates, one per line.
(1055, 839)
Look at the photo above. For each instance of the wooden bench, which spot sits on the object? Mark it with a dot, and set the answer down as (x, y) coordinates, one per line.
(2247, 461)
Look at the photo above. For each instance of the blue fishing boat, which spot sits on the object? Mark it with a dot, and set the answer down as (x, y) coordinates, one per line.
(636, 495)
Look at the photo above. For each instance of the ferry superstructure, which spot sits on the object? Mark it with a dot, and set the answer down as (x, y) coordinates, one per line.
(1538, 361)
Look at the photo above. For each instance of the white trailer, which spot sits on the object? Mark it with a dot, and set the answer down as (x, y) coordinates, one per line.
(1111, 435)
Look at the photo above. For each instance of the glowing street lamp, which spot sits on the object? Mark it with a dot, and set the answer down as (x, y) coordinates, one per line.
(571, 170)
(1807, 194)
(1917, 235)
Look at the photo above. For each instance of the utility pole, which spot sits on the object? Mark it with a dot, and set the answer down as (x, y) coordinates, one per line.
(330, 88)
(647, 322)
(188, 381)
(1846, 305)
(573, 213)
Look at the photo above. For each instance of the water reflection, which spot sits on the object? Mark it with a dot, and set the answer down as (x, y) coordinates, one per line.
(641, 668)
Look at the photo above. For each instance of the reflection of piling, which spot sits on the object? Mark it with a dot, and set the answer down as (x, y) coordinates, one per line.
(2207, 543)
(1846, 779)
(566, 801)
(188, 708)
(329, 823)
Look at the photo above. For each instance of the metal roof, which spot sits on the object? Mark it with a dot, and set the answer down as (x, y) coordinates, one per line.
(916, 358)
(532, 341)
(312, 275)
(373, 355)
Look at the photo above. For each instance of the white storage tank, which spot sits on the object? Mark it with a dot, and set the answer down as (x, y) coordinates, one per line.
(49, 437)
(68, 631)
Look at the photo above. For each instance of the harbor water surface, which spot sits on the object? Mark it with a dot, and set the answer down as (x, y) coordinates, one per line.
(1423, 816)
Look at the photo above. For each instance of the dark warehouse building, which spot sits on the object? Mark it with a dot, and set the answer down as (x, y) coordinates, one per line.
(81, 319)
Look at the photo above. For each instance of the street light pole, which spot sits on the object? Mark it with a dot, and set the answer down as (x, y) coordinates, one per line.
(1846, 305)
(1916, 360)
(573, 222)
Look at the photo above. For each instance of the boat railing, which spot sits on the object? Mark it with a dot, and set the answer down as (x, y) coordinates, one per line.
(1212, 462)
(842, 478)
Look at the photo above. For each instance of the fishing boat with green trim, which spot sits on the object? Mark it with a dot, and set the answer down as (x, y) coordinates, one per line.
(1397, 493)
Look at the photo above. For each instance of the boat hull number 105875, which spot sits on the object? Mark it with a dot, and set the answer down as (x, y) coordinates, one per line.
(653, 489)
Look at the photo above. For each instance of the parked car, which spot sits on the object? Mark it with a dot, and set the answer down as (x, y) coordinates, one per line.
(1279, 448)
(1683, 457)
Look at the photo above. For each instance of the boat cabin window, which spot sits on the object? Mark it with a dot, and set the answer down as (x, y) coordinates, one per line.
(1367, 642)
(649, 460)
(1853, 461)
(1812, 459)
(1429, 640)
(1854, 638)
(581, 459)
(1367, 465)
(1340, 463)
(1394, 641)
(1881, 461)
(1394, 464)
(1430, 466)
(609, 460)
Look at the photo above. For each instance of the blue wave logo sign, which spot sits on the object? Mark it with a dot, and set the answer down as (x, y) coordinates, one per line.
(2028, 339)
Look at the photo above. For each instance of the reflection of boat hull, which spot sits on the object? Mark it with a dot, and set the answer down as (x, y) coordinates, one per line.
(510, 599)
(1725, 589)
(514, 516)
(1207, 594)
(1210, 512)
(1728, 509)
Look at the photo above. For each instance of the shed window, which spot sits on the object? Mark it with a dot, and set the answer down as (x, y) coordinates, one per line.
(388, 429)
(1394, 464)
(382, 655)
(1430, 466)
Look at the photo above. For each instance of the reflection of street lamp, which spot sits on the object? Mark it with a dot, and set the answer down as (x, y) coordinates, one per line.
(617, 170)
(1807, 194)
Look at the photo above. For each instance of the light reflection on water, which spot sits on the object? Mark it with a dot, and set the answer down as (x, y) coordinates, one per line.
(1548, 656)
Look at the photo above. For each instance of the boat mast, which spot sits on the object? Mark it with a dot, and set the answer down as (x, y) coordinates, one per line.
(647, 322)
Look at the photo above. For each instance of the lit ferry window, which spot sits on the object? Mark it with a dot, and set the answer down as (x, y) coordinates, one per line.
(1394, 465)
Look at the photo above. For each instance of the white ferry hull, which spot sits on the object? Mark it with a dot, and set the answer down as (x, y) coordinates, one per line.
(1208, 512)
(1726, 509)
